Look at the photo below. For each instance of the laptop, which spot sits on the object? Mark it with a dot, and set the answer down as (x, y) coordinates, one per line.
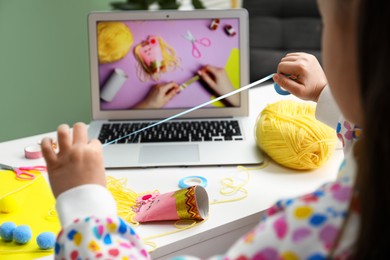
(146, 66)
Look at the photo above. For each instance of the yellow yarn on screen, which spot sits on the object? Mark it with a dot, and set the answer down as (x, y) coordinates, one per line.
(114, 41)
(291, 135)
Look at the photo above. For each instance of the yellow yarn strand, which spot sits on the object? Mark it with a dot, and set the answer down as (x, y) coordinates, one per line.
(151, 244)
(289, 133)
(30, 182)
(230, 188)
(7, 203)
(125, 198)
(179, 227)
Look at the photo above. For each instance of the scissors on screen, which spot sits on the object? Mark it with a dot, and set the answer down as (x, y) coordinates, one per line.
(203, 41)
(24, 173)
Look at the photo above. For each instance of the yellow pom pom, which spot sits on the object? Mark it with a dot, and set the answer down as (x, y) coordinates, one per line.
(290, 134)
(8, 205)
(114, 41)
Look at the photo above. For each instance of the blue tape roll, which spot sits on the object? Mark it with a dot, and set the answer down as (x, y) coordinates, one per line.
(280, 90)
(192, 181)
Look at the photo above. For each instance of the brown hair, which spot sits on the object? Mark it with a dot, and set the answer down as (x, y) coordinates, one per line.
(373, 181)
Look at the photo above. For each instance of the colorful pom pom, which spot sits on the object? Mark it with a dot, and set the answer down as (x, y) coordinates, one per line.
(6, 231)
(22, 234)
(8, 205)
(46, 240)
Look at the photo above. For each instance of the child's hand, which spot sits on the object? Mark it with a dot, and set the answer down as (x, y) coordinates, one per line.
(306, 80)
(78, 161)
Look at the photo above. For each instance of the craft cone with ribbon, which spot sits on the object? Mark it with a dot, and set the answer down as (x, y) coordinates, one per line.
(189, 203)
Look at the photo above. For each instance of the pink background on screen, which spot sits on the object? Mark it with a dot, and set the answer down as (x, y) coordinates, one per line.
(172, 33)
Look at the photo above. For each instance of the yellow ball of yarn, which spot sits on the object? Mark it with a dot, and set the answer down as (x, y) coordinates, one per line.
(114, 41)
(291, 135)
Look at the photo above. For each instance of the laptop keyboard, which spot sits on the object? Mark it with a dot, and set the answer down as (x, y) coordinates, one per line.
(173, 131)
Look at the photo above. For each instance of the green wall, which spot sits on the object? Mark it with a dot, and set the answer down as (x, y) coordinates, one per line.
(44, 66)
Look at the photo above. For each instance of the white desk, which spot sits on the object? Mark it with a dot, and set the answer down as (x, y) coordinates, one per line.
(227, 221)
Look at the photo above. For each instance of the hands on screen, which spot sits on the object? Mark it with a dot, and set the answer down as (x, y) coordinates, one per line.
(215, 78)
(218, 81)
(159, 95)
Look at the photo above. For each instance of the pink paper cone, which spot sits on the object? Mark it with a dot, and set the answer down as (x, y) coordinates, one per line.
(188, 203)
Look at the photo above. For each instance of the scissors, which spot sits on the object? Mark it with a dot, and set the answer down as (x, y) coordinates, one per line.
(203, 41)
(23, 173)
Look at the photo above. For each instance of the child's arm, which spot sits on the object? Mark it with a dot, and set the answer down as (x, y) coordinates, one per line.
(91, 228)
(87, 211)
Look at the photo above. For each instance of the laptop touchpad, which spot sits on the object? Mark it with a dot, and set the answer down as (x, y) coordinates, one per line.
(169, 153)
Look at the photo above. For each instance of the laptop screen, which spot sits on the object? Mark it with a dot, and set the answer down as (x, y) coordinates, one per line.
(167, 61)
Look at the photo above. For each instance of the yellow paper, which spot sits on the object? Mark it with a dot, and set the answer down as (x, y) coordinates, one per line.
(31, 203)
(232, 70)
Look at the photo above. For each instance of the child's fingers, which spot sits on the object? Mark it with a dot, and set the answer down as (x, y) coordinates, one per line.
(295, 54)
(80, 133)
(47, 151)
(96, 144)
(64, 139)
(289, 68)
(289, 59)
(288, 84)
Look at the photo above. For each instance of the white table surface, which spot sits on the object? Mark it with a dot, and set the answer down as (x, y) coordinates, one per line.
(226, 221)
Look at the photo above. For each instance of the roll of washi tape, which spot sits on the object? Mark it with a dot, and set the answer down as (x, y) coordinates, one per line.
(280, 91)
(192, 181)
(229, 30)
(33, 151)
(214, 24)
(113, 85)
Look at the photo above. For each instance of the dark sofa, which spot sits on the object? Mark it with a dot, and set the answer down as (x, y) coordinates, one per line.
(278, 27)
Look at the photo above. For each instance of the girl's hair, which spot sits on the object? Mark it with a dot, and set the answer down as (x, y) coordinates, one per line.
(373, 182)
